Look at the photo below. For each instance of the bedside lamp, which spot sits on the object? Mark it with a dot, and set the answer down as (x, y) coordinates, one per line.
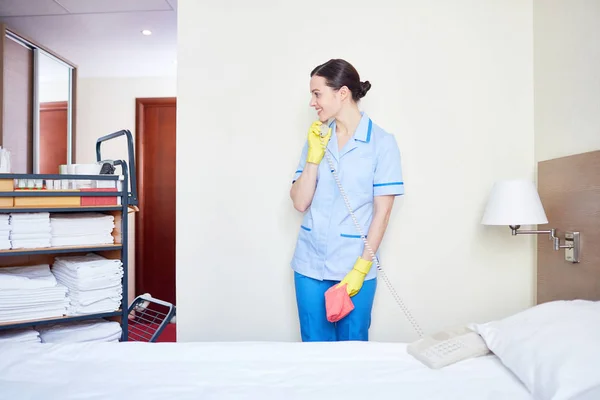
(517, 202)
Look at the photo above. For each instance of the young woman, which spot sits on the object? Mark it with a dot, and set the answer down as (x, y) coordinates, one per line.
(329, 249)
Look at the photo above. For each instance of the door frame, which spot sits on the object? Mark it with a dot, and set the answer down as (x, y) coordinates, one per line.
(141, 104)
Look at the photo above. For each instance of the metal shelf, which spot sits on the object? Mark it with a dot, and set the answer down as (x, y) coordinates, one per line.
(58, 193)
(63, 177)
(57, 209)
(59, 250)
(47, 321)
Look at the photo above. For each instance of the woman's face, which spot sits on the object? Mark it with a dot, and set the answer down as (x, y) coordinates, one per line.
(324, 99)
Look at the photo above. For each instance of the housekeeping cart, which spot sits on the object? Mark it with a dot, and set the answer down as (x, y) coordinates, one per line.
(106, 193)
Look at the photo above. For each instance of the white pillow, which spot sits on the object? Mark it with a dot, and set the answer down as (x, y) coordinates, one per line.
(553, 348)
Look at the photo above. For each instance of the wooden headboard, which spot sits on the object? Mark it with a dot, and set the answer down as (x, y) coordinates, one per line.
(569, 188)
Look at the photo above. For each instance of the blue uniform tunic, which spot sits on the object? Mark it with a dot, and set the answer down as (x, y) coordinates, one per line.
(369, 165)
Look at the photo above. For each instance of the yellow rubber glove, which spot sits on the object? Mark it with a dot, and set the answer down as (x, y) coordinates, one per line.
(316, 144)
(355, 278)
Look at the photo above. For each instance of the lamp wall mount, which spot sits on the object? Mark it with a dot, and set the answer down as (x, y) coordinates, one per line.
(572, 242)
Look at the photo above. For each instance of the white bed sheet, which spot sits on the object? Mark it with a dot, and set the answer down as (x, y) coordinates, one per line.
(344, 370)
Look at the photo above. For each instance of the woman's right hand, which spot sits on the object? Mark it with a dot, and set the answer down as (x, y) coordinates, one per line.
(316, 143)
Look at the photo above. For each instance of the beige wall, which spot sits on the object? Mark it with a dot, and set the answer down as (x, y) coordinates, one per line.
(107, 105)
(567, 83)
(453, 81)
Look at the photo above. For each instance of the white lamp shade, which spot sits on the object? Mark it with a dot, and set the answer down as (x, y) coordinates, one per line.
(514, 202)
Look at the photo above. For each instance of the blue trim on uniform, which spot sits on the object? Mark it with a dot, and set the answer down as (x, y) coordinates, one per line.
(298, 171)
(360, 134)
(388, 184)
(369, 130)
(350, 236)
(305, 228)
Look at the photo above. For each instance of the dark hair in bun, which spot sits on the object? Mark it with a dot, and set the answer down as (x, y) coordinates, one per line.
(364, 88)
(338, 73)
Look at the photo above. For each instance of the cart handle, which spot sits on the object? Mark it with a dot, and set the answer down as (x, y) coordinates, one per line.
(132, 196)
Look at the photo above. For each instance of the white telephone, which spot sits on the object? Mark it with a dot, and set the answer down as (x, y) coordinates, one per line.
(448, 347)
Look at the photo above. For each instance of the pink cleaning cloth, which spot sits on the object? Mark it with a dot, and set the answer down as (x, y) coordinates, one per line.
(337, 303)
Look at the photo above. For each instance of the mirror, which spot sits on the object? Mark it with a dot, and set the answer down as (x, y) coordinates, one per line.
(52, 130)
(38, 118)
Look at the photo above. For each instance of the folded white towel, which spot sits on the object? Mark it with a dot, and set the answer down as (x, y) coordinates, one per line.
(31, 236)
(16, 308)
(82, 240)
(93, 283)
(90, 269)
(87, 259)
(12, 300)
(88, 262)
(106, 305)
(7, 294)
(30, 228)
(30, 244)
(46, 306)
(71, 226)
(29, 216)
(19, 303)
(84, 231)
(79, 217)
(26, 304)
(87, 298)
(28, 277)
(86, 331)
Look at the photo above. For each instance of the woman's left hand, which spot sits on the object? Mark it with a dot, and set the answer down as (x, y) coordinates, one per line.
(355, 278)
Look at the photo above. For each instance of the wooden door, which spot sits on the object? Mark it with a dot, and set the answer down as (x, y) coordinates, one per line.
(155, 221)
(53, 136)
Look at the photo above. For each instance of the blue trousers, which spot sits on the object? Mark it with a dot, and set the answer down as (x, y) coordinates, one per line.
(314, 327)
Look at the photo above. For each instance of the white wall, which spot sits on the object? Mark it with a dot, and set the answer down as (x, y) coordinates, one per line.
(567, 87)
(452, 80)
(107, 105)
(55, 90)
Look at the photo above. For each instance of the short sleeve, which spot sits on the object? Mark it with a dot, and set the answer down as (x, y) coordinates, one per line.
(388, 171)
(301, 163)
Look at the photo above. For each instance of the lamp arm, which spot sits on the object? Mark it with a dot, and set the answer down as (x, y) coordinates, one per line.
(515, 231)
(572, 241)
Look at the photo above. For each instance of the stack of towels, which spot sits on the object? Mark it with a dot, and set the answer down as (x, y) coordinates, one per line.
(5, 232)
(30, 230)
(83, 229)
(97, 330)
(94, 283)
(24, 335)
(31, 292)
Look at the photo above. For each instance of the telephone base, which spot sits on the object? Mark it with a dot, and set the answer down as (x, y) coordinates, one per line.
(448, 347)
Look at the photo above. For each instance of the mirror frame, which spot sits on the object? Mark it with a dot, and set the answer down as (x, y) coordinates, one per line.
(10, 34)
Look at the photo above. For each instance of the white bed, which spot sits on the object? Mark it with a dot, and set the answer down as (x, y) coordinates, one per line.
(550, 351)
(350, 370)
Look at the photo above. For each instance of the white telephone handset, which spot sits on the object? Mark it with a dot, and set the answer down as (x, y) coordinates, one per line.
(448, 347)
